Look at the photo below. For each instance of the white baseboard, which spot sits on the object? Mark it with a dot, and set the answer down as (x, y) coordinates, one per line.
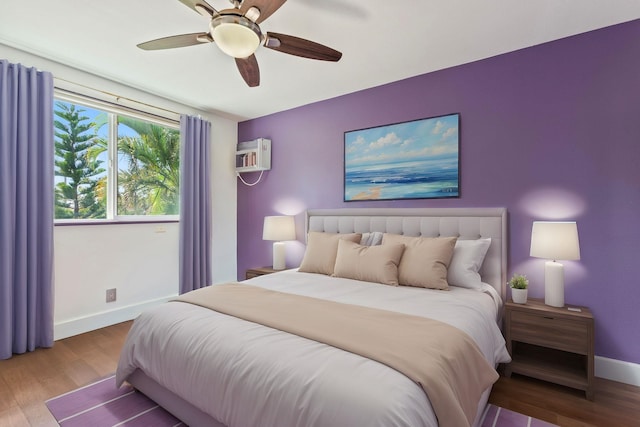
(83, 324)
(617, 370)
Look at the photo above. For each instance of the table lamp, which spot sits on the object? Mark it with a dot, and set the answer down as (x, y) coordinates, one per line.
(554, 241)
(278, 228)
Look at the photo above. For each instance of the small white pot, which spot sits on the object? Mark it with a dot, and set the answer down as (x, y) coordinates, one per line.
(519, 296)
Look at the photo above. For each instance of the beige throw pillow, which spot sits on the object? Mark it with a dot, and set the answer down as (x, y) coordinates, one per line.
(377, 264)
(322, 248)
(425, 260)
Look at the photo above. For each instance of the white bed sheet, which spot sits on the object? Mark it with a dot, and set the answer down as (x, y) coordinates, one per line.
(244, 374)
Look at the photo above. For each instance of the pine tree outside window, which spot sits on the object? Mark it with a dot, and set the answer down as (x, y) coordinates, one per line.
(113, 166)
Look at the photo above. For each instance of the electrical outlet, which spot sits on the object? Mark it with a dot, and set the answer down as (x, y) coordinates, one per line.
(111, 295)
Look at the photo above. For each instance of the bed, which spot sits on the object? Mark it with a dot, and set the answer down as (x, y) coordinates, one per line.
(212, 369)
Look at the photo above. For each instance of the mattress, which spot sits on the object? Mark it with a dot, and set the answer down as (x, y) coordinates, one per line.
(244, 374)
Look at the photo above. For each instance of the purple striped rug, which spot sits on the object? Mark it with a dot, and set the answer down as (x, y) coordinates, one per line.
(101, 404)
(495, 416)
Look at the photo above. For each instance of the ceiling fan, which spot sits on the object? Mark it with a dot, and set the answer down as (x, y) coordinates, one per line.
(237, 33)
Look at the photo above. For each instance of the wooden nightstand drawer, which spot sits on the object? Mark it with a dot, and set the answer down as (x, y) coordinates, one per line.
(550, 331)
(261, 271)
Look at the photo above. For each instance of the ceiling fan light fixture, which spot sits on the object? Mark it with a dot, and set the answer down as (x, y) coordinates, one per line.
(236, 35)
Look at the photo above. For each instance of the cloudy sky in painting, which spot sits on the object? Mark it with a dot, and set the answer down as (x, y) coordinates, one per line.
(409, 141)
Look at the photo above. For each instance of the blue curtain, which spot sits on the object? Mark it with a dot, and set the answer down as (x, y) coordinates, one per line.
(195, 204)
(26, 209)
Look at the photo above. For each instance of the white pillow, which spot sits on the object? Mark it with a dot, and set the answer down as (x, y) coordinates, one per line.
(468, 256)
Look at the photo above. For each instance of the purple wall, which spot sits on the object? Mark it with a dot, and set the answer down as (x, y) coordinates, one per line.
(550, 132)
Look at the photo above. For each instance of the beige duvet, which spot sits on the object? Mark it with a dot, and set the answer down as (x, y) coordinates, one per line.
(248, 375)
(443, 360)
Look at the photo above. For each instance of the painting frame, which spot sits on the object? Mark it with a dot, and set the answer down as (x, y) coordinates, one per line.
(414, 159)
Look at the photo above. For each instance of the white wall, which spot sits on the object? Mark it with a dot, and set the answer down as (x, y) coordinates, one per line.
(139, 260)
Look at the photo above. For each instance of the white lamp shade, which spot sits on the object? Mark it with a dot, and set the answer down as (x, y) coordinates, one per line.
(279, 228)
(555, 240)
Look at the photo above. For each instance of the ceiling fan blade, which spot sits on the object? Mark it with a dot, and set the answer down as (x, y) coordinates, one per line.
(301, 47)
(266, 7)
(181, 40)
(249, 70)
(200, 6)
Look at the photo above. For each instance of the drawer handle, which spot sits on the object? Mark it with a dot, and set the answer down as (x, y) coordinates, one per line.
(547, 317)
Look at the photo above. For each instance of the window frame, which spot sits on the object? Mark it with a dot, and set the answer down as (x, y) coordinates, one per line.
(113, 110)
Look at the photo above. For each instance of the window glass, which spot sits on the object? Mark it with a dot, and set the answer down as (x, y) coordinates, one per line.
(80, 163)
(148, 168)
(145, 166)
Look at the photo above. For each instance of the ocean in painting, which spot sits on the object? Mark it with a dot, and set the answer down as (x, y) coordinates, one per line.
(424, 179)
(410, 160)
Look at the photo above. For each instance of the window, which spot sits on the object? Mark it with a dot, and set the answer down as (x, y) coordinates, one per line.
(111, 165)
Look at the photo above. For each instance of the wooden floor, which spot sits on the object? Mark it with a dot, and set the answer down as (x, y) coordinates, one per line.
(27, 380)
(615, 404)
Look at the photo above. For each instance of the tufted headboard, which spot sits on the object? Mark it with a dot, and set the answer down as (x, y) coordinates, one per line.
(465, 223)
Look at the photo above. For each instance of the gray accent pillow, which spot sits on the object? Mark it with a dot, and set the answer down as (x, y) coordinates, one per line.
(371, 239)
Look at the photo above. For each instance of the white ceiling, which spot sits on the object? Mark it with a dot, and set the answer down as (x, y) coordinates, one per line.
(381, 41)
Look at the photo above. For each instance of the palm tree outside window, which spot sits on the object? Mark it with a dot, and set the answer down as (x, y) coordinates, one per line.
(141, 180)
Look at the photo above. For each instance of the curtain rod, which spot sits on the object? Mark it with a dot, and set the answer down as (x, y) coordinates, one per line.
(113, 95)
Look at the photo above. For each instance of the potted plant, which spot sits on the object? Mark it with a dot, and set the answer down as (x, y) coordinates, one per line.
(519, 284)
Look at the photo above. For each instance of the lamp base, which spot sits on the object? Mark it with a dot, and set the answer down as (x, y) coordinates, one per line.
(278, 256)
(554, 284)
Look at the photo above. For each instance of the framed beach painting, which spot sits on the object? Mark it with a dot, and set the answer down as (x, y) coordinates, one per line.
(409, 160)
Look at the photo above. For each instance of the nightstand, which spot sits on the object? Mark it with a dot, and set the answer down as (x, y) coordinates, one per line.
(551, 343)
(260, 271)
